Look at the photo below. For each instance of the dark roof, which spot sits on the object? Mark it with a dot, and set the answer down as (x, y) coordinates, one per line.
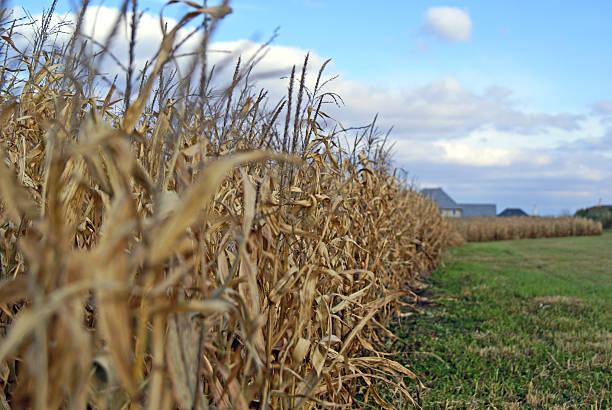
(513, 212)
(437, 194)
(473, 210)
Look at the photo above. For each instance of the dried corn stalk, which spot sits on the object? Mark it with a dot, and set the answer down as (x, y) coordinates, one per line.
(162, 259)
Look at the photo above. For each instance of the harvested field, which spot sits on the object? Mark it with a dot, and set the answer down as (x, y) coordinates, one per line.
(192, 249)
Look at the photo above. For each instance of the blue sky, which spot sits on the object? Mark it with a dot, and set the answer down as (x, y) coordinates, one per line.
(505, 102)
(539, 48)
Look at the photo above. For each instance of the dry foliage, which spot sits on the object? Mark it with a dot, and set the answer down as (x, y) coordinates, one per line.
(188, 251)
(522, 227)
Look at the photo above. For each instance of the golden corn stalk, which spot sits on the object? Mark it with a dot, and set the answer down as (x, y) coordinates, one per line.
(186, 252)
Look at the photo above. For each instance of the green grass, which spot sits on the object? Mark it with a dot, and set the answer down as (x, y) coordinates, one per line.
(516, 324)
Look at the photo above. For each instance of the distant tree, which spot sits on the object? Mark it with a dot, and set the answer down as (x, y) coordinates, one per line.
(599, 213)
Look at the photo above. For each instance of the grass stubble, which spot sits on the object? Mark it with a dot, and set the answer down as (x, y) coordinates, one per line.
(169, 246)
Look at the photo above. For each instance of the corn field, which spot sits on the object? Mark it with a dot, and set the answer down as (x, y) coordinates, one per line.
(522, 227)
(167, 246)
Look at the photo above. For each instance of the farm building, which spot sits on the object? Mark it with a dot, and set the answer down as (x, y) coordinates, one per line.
(450, 208)
(513, 212)
(473, 210)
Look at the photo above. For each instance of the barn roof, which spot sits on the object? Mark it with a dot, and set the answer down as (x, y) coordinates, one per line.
(437, 194)
(472, 210)
(513, 212)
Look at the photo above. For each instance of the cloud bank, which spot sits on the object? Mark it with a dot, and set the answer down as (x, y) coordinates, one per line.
(480, 145)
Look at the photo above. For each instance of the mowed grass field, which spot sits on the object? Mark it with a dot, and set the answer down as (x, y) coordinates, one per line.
(516, 324)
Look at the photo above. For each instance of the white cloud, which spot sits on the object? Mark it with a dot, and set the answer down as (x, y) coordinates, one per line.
(463, 153)
(474, 141)
(275, 64)
(444, 109)
(448, 23)
(472, 151)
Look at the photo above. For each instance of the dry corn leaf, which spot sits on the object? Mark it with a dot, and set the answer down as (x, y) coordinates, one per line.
(349, 238)
(14, 195)
(382, 364)
(183, 346)
(300, 350)
(13, 290)
(372, 310)
(29, 319)
(106, 389)
(197, 197)
(113, 306)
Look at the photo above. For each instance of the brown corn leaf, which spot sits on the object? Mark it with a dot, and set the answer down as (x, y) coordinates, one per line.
(300, 350)
(13, 290)
(317, 358)
(30, 319)
(197, 197)
(112, 263)
(105, 388)
(183, 345)
(372, 310)
(217, 12)
(17, 199)
(383, 364)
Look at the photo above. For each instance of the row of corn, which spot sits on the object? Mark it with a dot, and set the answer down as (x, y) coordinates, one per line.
(195, 249)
